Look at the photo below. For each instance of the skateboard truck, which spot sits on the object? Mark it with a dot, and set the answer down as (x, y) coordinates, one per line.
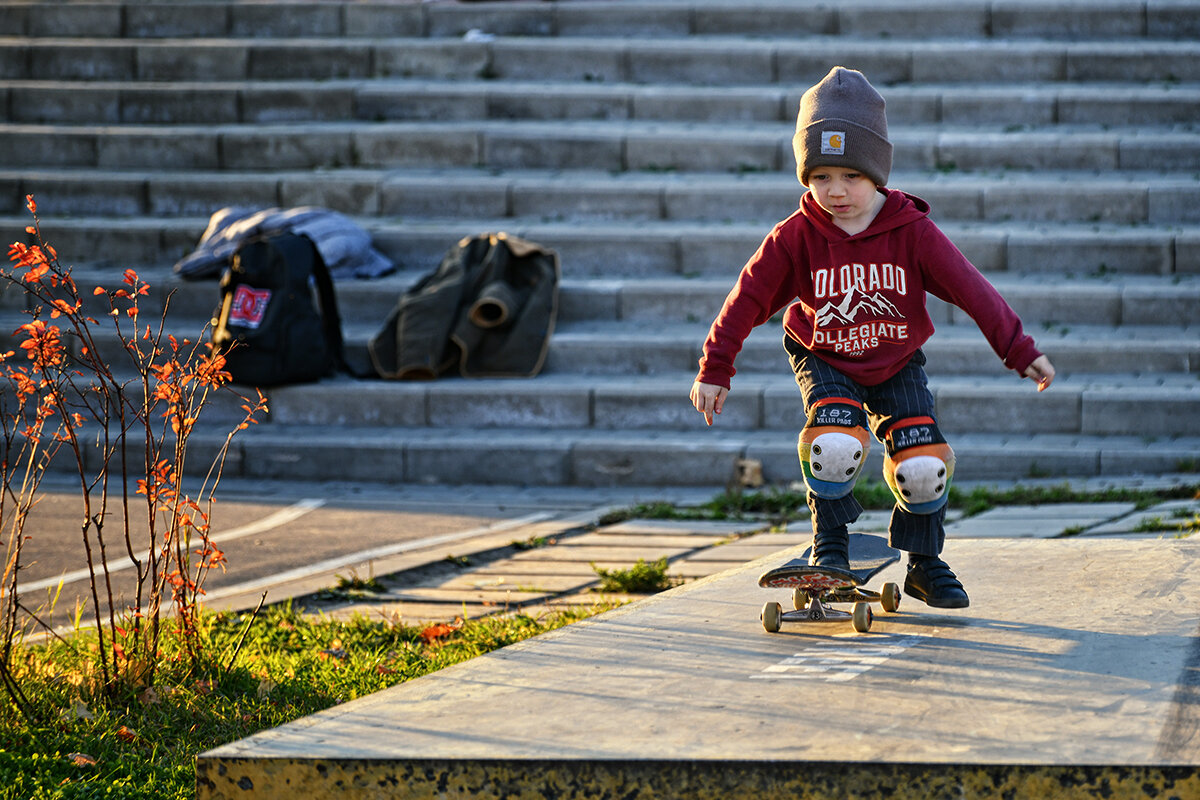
(817, 611)
(814, 588)
(814, 608)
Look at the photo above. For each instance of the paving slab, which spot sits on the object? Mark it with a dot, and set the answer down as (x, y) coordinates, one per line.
(758, 547)
(625, 556)
(1039, 521)
(1159, 520)
(686, 527)
(1063, 679)
(651, 541)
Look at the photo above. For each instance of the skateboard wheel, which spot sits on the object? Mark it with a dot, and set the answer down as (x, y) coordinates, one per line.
(799, 599)
(862, 617)
(889, 597)
(772, 617)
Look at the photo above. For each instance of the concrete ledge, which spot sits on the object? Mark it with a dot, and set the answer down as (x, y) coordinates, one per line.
(684, 695)
(754, 780)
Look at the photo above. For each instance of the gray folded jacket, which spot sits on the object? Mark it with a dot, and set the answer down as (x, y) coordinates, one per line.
(345, 247)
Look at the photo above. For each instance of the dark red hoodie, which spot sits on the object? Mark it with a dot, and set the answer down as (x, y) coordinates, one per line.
(861, 298)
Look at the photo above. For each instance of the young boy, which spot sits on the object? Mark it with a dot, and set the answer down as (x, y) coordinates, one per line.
(859, 259)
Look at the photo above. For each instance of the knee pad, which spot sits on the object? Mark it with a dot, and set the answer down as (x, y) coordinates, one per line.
(833, 446)
(919, 465)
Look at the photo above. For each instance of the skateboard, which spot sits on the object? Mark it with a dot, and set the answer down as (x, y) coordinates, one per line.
(814, 588)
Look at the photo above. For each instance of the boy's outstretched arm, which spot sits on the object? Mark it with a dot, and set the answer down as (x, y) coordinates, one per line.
(709, 399)
(1041, 370)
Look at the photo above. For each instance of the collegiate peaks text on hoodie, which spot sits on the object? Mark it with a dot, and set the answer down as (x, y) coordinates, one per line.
(860, 299)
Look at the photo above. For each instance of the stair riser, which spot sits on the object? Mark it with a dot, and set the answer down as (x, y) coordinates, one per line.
(722, 63)
(694, 461)
(763, 354)
(595, 148)
(193, 303)
(135, 194)
(714, 253)
(1070, 21)
(1066, 411)
(212, 104)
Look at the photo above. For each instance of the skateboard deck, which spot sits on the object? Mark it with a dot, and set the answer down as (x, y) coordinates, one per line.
(814, 588)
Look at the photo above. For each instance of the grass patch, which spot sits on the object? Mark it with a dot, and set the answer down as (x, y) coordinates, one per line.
(1181, 523)
(533, 543)
(642, 578)
(780, 506)
(288, 666)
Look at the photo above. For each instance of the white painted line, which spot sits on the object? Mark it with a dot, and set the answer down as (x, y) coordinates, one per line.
(372, 554)
(281, 517)
(835, 664)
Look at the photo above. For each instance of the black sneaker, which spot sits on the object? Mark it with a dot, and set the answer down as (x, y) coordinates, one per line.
(831, 550)
(931, 581)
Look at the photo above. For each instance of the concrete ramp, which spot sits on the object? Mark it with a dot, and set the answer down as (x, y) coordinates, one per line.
(1074, 673)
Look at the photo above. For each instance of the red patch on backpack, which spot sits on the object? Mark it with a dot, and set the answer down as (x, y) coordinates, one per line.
(248, 307)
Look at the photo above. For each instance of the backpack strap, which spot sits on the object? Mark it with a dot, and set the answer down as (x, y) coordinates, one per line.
(331, 321)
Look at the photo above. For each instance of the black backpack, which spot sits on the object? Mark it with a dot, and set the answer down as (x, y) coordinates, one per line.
(267, 325)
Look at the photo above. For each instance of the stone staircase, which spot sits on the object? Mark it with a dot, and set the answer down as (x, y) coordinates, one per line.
(649, 144)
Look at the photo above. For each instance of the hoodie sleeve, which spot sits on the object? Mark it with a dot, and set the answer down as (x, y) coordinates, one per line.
(951, 277)
(765, 285)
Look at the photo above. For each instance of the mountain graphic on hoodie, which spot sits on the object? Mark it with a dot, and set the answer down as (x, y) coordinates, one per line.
(855, 301)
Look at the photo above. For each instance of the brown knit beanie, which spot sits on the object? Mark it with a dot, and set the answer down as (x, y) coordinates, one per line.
(842, 124)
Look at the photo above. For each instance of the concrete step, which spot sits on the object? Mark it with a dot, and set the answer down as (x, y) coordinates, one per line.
(620, 145)
(397, 445)
(192, 101)
(1111, 198)
(1045, 303)
(708, 60)
(641, 249)
(609, 349)
(877, 19)
(595, 457)
(1041, 301)
(1158, 405)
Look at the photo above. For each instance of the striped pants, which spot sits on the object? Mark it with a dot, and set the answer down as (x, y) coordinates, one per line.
(905, 394)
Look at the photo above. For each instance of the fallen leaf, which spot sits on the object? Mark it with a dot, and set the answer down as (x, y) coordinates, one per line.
(265, 686)
(435, 632)
(149, 696)
(334, 652)
(126, 735)
(77, 710)
(82, 759)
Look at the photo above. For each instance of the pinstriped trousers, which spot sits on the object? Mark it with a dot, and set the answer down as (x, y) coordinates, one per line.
(905, 394)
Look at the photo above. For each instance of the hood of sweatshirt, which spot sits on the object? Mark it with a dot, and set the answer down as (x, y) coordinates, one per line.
(899, 208)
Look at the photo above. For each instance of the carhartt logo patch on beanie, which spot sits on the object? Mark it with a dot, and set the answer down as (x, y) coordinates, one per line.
(842, 123)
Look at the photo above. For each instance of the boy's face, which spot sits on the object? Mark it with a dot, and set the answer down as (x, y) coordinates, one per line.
(848, 195)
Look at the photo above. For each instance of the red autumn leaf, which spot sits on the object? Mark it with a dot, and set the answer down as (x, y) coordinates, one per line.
(441, 631)
(32, 206)
(126, 735)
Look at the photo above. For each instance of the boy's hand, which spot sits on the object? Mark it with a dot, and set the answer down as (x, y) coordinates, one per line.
(1042, 371)
(708, 399)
